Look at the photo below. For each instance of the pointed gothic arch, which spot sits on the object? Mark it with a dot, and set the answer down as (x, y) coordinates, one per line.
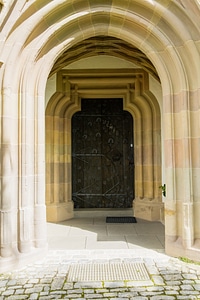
(37, 34)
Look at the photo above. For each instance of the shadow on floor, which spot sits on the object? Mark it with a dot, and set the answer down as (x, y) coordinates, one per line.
(90, 231)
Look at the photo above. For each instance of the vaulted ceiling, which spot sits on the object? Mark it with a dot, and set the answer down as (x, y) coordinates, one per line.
(104, 45)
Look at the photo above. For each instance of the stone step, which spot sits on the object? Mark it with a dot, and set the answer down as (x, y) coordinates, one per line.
(84, 213)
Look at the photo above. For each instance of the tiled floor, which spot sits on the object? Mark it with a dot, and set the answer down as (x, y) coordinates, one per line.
(89, 230)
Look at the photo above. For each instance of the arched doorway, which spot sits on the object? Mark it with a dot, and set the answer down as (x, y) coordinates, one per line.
(36, 35)
(102, 155)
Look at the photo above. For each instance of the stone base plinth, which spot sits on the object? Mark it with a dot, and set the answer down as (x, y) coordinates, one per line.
(148, 210)
(60, 212)
(18, 260)
(174, 247)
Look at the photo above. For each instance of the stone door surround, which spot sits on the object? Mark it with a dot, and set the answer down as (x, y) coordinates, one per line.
(132, 85)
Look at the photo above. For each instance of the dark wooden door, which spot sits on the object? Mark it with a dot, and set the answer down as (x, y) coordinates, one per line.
(102, 155)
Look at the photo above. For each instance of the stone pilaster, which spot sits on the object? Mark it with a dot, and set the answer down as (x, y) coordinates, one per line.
(58, 161)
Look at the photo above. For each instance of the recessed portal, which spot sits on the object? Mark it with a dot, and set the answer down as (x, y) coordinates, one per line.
(102, 155)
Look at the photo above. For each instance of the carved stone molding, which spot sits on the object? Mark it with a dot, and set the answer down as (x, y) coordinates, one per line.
(132, 86)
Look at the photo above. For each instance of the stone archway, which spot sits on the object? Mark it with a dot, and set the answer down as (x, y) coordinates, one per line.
(34, 35)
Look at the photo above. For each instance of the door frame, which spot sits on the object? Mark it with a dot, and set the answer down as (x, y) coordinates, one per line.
(132, 85)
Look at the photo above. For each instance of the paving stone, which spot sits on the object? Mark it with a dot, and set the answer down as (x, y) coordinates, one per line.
(82, 298)
(109, 295)
(71, 296)
(57, 283)
(127, 294)
(172, 287)
(172, 293)
(68, 286)
(114, 284)
(3, 283)
(8, 293)
(120, 289)
(34, 280)
(196, 287)
(186, 287)
(2, 290)
(192, 271)
(155, 289)
(34, 296)
(19, 291)
(11, 282)
(139, 298)
(34, 290)
(14, 287)
(105, 290)
(46, 297)
(58, 293)
(46, 288)
(44, 293)
(189, 293)
(168, 272)
(46, 280)
(139, 283)
(173, 277)
(76, 291)
(188, 281)
(75, 298)
(89, 284)
(158, 280)
(152, 270)
(189, 276)
(177, 283)
(28, 285)
(118, 298)
(197, 281)
(187, 297)
(138, 289)
(22, 281)
(18, 297)
(151, 293)
(93, 296)
(164, 297)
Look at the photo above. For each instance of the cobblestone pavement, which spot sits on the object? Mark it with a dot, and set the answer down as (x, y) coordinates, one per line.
(170, 278)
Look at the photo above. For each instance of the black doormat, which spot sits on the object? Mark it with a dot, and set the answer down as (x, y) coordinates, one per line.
(121, 220)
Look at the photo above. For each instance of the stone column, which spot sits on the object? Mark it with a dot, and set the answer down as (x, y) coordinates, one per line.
(183, 140)
(170, 171)
(9, 167)
(179, 211)
(39, 184)
(26, 172)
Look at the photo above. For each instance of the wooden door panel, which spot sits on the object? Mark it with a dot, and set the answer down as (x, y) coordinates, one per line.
(103, 173)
